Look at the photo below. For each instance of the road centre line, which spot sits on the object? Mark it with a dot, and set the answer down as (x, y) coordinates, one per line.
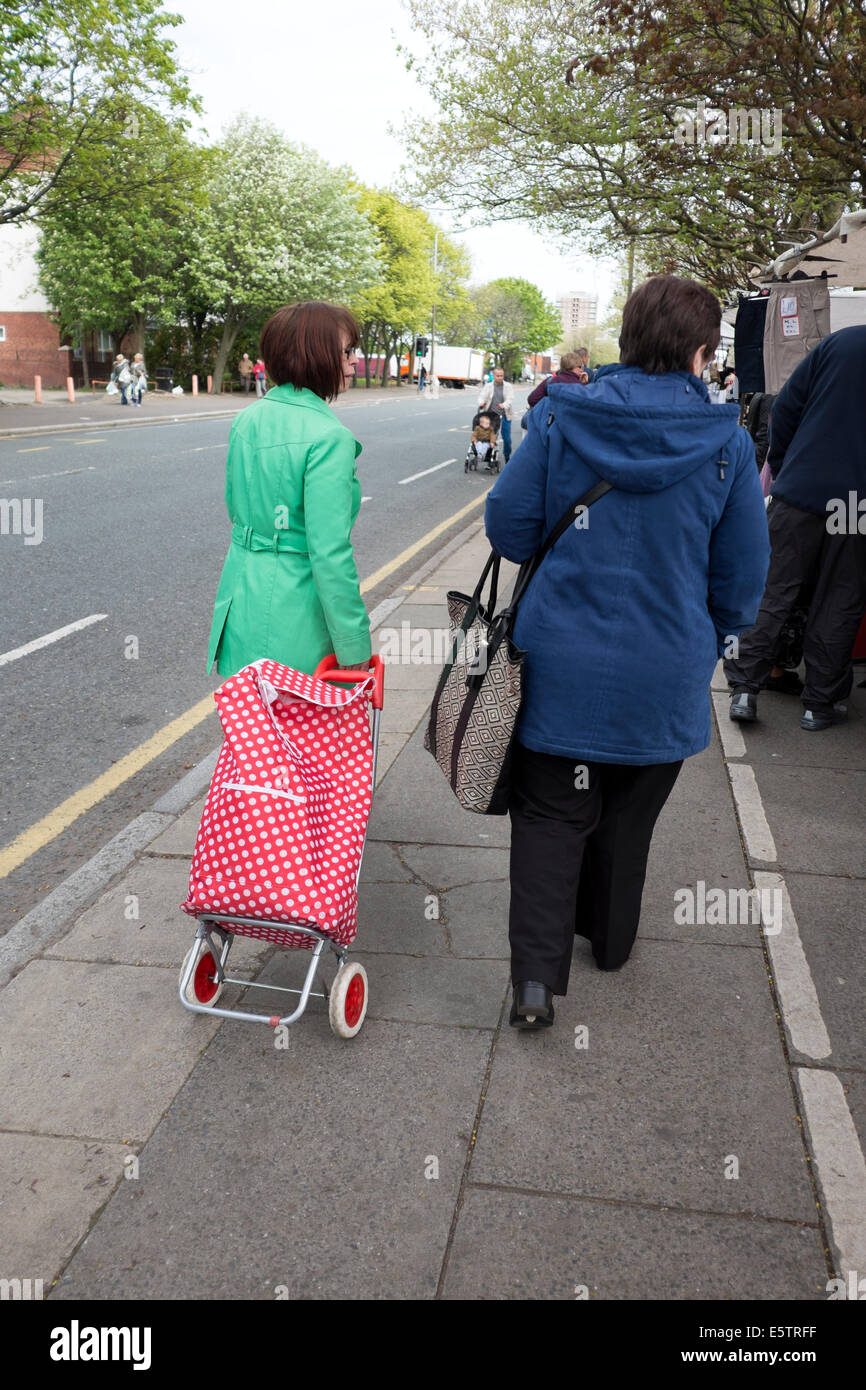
(39, 642)
(80, 443)
(64, 473)
(425, 471)
(36, 449)
(43, 831)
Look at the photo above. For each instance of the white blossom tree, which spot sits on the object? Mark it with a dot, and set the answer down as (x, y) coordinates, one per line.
(281, 225)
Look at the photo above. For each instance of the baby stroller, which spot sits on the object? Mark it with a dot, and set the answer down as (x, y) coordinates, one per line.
(478, 450)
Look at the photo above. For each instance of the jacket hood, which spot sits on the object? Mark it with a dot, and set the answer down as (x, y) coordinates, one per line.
(643, 433)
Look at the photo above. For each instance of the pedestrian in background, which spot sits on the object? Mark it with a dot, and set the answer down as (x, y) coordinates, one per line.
(261, 376)
(290, 592)
(139, 378)
(498, 395)
(622, 625)
(571, 372)
(122, 376)
(817, 456)
(245, 372)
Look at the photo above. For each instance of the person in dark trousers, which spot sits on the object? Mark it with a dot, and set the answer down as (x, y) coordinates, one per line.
(817, 456)
(622, 625)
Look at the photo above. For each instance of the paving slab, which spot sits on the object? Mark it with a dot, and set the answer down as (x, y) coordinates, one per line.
(453, 866)
(302, 1168)
(526, 1246)
(778, 738)
(100, 1050)
(417, 804)
(180, 838)
(382, 864)
(159, 933)
(831, 915)
(684, 1068)
(412, 988)
(695, 839)
(404, 710)
(395, 917)
(51, 1189)
(816, 816)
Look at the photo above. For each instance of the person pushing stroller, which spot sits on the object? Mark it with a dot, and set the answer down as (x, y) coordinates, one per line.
(482, 445)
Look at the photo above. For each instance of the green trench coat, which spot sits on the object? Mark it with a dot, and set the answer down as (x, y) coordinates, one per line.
(289, 587)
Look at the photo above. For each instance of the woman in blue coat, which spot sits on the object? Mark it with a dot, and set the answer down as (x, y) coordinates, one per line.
(622, 624)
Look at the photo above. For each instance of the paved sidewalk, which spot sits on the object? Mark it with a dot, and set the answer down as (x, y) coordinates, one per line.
(650, 1145)
(19, 413)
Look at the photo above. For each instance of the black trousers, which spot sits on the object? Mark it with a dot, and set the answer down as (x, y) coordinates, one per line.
(578, 859)
(804, 555)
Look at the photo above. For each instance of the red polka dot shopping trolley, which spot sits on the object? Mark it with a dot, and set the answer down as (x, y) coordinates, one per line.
(278, 852)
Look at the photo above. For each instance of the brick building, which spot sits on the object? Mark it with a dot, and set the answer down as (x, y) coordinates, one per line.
(29, 341)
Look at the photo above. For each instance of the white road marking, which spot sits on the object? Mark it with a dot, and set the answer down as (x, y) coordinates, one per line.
(425, 471)
(756, 832)
(200, 448)
(80, 443)
(39, 642)
(37, 449)
(64, 472)
(839, 1164)
(366, 499)
(794, 984)
(733, 743)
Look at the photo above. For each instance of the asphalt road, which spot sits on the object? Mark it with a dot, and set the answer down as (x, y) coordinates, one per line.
(134, 528)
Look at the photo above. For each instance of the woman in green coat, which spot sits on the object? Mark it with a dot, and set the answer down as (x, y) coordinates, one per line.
(289, 589)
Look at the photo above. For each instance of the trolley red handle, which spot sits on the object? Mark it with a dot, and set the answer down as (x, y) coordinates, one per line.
(327, 669)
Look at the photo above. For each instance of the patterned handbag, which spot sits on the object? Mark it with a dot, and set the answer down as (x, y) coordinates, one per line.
(470, 730)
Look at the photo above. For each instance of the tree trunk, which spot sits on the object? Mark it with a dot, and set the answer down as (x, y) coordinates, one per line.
(138, 325)
(85, 372)
(231, 328)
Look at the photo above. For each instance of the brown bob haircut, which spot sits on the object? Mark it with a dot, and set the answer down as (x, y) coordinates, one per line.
(664, 323)
(302, 345)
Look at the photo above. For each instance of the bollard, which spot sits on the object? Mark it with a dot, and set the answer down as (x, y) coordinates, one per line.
(37, 386)
(70, 389)
(194, 385)
(209, 385)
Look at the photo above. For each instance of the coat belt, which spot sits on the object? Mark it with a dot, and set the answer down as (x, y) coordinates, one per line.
(251, 540)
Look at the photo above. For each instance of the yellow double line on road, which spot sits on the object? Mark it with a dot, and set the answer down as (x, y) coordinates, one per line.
(40, 834)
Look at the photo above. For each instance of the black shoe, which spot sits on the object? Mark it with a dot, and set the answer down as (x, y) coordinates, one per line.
(788, 683)
(531, 1006)
(815, 720)
(744, 706)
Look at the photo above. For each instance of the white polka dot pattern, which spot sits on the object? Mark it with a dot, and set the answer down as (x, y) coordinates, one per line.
(284, 821)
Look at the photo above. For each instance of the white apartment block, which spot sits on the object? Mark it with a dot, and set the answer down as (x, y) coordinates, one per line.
(578, 310)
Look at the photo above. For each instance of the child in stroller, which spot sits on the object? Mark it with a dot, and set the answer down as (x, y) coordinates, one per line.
(482, 445)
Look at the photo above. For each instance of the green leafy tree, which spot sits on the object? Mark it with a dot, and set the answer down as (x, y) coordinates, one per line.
(510, 317)
(281, 225)
(122, 269)
(578, 121)
(77, 78)
(398, 302)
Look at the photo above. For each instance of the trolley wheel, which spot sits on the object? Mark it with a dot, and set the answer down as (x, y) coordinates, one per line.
(203, 987)
(347, 1006)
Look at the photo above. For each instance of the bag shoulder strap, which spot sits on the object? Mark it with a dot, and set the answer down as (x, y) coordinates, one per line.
(529, 567)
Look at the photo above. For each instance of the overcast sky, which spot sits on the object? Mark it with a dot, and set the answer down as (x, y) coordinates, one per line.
(330, 77)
